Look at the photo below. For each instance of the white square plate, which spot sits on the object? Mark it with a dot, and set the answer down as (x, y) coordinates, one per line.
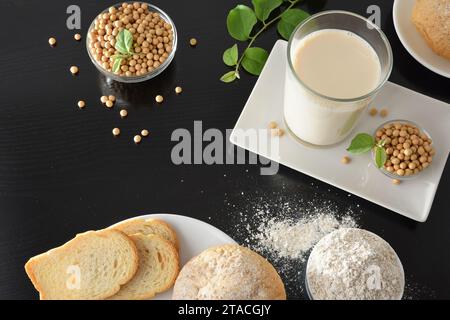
(412, 198)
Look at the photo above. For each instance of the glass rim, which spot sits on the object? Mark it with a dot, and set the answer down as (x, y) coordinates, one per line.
(149, 75)
(375, 27)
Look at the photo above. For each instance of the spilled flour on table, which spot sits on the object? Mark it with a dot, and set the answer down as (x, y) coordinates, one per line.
(285, 228)
(288, 238)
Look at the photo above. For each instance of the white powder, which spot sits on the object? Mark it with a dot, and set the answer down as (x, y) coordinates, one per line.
(354, 264)
(284, 226)
(416, 291)
(294, 239)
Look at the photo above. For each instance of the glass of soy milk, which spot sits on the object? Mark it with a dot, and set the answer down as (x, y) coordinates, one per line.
(337, 62)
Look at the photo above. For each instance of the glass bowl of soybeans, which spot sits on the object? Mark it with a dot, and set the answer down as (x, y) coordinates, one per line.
(409, 149)
(148, 54)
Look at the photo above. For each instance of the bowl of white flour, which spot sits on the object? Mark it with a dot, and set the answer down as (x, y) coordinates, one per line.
(354, 264)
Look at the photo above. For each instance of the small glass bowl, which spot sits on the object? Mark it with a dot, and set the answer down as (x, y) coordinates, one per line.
(394, 176)
(147, 76)
(308, 288)
(310, 296)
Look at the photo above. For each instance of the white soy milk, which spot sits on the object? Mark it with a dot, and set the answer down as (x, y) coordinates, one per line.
(335, 64)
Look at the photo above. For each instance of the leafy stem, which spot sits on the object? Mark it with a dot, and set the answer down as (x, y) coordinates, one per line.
(241, 22)
(265, 26)
(364, 142)
(124, 48)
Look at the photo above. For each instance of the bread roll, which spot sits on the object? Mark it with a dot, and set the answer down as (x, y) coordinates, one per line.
(432, 20)
(229, 272)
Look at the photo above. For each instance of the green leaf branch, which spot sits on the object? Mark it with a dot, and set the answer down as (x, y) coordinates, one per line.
(364, 142)
(241, 22)
(124, 47)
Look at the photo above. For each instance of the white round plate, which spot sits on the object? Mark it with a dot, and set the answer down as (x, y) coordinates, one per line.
(413, 41)
(194, 236)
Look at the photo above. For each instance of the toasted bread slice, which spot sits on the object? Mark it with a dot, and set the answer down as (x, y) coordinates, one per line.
(92, 266)
(147, 227)
(159, 266)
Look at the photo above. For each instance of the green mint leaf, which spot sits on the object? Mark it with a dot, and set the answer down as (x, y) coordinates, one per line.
(240, 22)
(289, 21)
(263, 8)
(362, 143)
(229, 77)
(254, 60)
(380, 157)
(124, 42)
(117, 64)
(230, 56)
(119, 56)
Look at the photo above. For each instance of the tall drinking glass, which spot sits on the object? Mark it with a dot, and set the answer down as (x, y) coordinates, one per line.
(319, 119)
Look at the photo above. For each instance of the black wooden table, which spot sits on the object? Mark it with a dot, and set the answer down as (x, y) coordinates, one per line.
(61, 171)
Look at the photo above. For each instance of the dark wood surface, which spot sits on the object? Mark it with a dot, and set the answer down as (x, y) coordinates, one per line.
(61, 172)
